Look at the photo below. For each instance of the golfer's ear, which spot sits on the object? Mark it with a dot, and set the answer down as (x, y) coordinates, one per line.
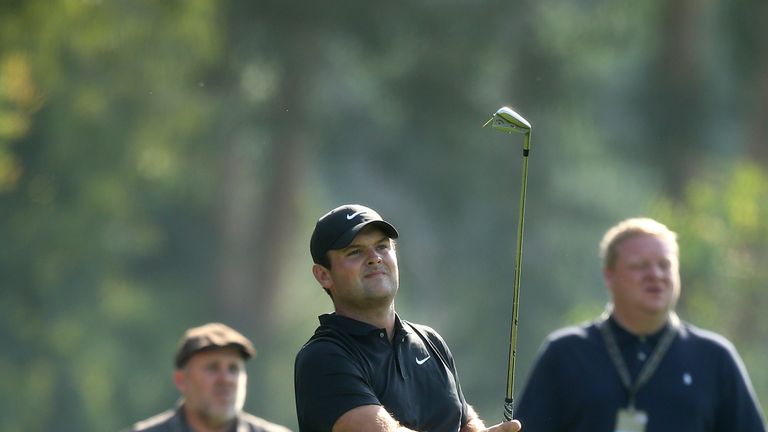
(322, 275)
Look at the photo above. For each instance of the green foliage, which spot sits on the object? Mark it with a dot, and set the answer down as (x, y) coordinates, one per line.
(724, 245)
(94, 150)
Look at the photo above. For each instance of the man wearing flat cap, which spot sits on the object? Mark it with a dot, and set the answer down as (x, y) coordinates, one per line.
(210, 375)
(365, 368)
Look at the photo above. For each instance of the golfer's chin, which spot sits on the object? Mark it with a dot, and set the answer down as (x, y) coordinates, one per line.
(382, 294)
(380, 284)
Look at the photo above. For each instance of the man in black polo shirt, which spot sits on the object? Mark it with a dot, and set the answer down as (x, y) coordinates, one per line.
(365, 368)
(639, 368)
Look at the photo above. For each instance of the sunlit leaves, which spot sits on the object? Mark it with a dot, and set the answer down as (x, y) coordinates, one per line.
(724, 250)
(19, 99)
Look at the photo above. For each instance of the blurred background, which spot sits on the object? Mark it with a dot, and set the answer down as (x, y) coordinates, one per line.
(162, 165)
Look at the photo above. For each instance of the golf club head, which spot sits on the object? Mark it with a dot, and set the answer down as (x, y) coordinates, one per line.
(507, 120)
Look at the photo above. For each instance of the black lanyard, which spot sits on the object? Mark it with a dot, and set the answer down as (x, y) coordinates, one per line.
(649, 368)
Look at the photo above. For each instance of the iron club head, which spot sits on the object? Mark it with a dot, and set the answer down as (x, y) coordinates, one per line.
(507, 120)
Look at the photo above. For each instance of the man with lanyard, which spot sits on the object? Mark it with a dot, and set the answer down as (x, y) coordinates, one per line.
(365, 368)
(639, 368)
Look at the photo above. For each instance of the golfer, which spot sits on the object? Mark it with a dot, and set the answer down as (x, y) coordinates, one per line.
(639, 368)
(365, 368)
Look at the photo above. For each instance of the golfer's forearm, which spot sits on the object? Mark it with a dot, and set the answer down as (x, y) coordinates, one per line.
(474, 424)
(510, 426)
(372, 418)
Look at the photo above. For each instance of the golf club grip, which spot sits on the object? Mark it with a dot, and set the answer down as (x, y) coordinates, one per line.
(508, 408)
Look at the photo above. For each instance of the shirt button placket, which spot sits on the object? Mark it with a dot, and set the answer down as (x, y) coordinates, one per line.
(402, 361)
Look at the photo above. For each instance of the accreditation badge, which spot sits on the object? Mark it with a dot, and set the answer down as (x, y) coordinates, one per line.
(631, 420)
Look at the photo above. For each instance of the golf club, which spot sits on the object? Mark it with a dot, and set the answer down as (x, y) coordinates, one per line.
(507, 120)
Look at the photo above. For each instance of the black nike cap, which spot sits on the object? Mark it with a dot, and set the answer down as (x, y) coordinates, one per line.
(337, 228)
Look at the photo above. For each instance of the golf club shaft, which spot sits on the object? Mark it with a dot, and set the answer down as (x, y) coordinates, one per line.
(509, 399)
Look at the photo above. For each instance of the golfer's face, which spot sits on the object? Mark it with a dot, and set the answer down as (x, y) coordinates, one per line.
(645, 276)
(213, 384)
(364, 275)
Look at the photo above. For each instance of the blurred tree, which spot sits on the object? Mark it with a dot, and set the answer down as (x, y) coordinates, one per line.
(262, 85)
(747, 40)
(675, 106)
(96, 152)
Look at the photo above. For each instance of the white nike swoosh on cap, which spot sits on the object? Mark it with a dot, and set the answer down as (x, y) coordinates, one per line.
(352, 216)
(422, 360)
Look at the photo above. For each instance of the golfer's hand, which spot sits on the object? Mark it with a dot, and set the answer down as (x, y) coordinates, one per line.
(510, 426)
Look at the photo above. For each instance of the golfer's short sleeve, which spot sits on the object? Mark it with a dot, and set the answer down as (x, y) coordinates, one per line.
(328, 383)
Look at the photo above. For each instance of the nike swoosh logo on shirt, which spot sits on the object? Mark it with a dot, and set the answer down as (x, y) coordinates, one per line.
(422, 360)
(352, 216)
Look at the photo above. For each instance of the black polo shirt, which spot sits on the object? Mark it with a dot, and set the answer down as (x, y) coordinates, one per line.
(348, 363)
(700, 385)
